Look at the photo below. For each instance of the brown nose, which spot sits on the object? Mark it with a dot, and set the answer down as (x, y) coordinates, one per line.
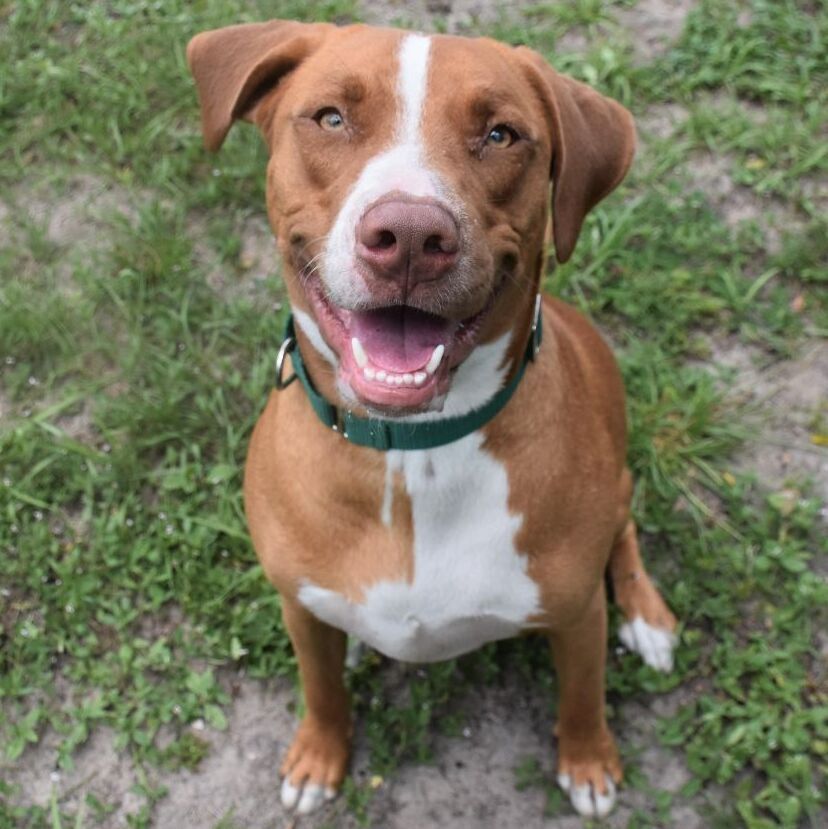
(408, 242)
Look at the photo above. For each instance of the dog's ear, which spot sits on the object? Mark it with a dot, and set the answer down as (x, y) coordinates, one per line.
(593, 143)
(235, 67)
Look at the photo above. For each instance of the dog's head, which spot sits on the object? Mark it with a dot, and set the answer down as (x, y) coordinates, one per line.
(408, 188)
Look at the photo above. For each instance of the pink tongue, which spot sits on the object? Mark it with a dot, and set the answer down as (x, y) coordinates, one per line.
(400, 339)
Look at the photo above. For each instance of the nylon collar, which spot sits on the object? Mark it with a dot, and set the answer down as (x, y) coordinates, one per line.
(385, 434)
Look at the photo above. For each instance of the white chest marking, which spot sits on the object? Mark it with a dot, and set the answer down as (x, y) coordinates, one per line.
(470, 584)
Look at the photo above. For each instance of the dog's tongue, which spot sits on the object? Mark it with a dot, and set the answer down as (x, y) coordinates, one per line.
(400, 339)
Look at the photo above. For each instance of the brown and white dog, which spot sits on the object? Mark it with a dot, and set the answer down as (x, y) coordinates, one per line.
(409, 190)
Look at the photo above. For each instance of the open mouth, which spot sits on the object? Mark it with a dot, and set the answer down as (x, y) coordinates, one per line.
(397, 359)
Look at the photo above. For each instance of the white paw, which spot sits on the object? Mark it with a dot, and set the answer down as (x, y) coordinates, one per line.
(585, 800)
(305, 798)
(654, 645)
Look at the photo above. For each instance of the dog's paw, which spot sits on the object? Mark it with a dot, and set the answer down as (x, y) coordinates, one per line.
(586, 798)
(313, 768)
(655, 645)
(589, 770)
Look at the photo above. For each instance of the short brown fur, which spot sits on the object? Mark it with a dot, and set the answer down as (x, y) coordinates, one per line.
(313, 500)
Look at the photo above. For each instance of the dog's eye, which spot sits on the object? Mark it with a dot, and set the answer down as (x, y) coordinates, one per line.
(501, 135)
(330, 119)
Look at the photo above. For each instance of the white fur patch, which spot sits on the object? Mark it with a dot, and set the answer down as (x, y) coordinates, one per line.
(400, 167)
(654, 645)
(388, 492)
(311, 330)
(470, 584)
(411, 85)
(585, 800)
(477, 379)
(305, 798)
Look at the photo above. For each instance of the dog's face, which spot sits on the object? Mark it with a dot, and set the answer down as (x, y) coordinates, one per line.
(408, 187)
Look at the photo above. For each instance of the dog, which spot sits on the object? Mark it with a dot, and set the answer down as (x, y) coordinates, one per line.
(449, 469)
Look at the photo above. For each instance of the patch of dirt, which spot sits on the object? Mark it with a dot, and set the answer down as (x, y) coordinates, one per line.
(76, 213)
(5, 408)
(815, 191)
(4, 217)
(738, 204)
(451, 16)
(100, 769)
(653, 25)
(660, 120)
(73, 217)
(792, 397)
(248, 276)
(79, 425)
(470, 785)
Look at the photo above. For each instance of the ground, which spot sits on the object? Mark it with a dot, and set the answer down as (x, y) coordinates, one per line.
(145, 679)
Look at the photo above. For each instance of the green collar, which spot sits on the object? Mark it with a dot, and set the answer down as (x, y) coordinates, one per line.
(399, 434)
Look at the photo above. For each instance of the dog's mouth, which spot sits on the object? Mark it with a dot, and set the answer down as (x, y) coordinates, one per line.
(396, 359)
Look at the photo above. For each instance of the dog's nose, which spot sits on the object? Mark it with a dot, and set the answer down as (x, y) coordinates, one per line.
(409, 242)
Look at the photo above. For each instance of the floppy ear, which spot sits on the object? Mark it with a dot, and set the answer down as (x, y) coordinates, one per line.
(236, 66)
(593, 143)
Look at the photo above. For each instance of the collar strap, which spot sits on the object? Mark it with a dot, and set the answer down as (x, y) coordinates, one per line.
(399, 434)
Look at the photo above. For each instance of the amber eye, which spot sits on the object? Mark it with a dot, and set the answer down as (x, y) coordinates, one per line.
(330, 119)
(501, 136)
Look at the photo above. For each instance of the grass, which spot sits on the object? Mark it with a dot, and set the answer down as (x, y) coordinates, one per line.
(128, 580)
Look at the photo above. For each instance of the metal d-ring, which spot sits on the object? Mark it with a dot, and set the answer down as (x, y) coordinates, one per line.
(535, 333)
(288, 344)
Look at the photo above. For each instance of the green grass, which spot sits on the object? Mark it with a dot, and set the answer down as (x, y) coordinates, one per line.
(127, 574)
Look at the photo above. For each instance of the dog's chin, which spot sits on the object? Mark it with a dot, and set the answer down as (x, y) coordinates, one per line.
(394, 360)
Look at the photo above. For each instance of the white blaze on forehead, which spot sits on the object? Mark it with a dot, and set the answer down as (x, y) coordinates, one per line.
(401, 166)
(411, 85)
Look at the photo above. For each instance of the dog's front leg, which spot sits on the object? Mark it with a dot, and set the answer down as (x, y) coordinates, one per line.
(315, 763)
(588, 764)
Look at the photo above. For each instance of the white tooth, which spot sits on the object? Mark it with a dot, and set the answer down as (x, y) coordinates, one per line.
(408, 379)
(369, 373)
(398, 379)
(359, 352)
(390, 380)
(419, 378)
(381, 375)
(436, 356)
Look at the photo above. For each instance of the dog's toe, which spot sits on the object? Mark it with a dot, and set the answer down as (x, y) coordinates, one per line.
(654, 645)
(305, 798)
(586, 800)
(290, 794)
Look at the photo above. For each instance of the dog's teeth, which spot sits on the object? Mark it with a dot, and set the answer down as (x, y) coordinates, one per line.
(359, 352)
(398, 379)
(369, 373)
(381, 375)
(419, 378)
(390, 380)
(408, 379)
(436, 356)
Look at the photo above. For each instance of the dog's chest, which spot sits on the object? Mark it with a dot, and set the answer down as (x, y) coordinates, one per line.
(470, 584)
